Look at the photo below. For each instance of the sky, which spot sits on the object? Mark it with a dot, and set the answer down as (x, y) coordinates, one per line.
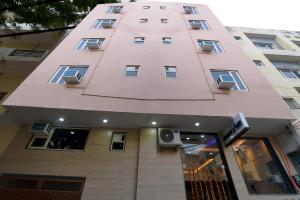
(269, 14)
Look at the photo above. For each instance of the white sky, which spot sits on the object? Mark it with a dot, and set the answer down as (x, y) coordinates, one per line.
(269, 14)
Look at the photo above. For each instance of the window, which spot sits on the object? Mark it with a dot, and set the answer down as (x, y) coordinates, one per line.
(162, 7)
(100, 23)
(118, 141)
(83, 42)
(132, 70)
(2, 95)
(171, 71)
(146, 7)
(216, 46)
(166, 40)
(258, 63)
(263, 45)
(144, 20)
(262, 170)
(114, 9)
(164, 21)
(289, 73)
(291, 103)
(237, 37)
(57, 77)
(27, 53)
(190, 10)
(61, 138)
(139, 40)
(239, 84)
(202, 24)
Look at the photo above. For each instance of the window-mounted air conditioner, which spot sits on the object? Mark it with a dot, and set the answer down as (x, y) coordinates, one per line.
(93, 44)
(195, 25)
(41, 128)
(72, 76)
(108, 24)
(169, 138)
(207, 48)
(117, 9)
(188, 10)
(225, 82)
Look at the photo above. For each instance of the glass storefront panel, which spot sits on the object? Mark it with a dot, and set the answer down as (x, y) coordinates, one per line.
(204, 170)
(261, 169)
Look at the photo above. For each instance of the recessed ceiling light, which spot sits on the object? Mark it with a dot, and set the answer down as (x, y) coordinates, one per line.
(202, 136)
(188, 152)
(153, 123)
(211, 153)
(72, 132)
(105, 121)
(197, 124)
(188, 138)
(61, 119)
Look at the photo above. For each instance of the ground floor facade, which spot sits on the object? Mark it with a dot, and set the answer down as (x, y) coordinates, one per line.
(114, 163)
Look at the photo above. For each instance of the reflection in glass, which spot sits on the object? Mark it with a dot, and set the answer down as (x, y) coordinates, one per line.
(262, 174)
(204, 172)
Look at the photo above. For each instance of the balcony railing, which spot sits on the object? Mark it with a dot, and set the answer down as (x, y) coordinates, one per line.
(27, 53)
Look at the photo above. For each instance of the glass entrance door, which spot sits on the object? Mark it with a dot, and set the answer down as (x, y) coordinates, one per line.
(205, 171)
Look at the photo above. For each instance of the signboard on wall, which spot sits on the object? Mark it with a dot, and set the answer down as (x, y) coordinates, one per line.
(236, 129)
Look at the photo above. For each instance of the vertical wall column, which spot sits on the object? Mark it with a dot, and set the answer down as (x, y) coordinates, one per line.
(160, 173)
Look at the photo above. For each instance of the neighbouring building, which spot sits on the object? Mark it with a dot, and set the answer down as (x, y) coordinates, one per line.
(276, 54)
(19, 56)
(142, 101)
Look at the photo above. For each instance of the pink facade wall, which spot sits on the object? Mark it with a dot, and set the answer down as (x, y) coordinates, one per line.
(105, 87)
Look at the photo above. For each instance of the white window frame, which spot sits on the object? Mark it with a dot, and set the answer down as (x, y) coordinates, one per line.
(146, 7)
(83, 47)
(172, 67)
(139, 40)
(164, 39)
(124, 142)
(292, 100)
(136, 68)
(203, 24)
(67, 68)
(268, 44)
(110, 9)
(235, 82)
(48, 137)
(143, 20)
(164, 20)
(217, 47)
(100, 21)
(194, 9)
(259, 61)
(291, 71)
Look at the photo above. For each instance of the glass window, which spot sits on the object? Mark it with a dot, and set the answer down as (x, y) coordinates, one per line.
(132, 70)
(164, 21)
(82, 44)
(114, 9)
(239, 84)
(2, 95)
(57, 78)
(216, 46)
(146, 7)
(237, 37)
(139, 40)
(144, 20)
(260, 167)
(118, 141)
(289, 73)
(162, 7)
(258, 63)
(204, 168)
(291, 103)
(100, 23)
(171, 71)
(202, 24)
(263, 45)
(190, 10)
(166, 40)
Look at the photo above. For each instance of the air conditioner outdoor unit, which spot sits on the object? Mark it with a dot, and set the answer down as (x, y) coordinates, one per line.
(207, 48)
(188, 10)
(72, 76)
(195, 25)
(93, 44)
(225, 82)
(107, 24)
(117, 9)
(169, 138)
(41, 128)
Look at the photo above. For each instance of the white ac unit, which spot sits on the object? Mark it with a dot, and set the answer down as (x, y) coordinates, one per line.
(207, 48)
(169, 138)
(225, 82)
(188, 10)
(195, 25)
(41, 128)
(72, 77)
(93, 44)
(107, 24)
(117, 9)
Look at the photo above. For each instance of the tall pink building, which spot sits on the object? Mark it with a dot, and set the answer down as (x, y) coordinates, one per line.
(138, 99)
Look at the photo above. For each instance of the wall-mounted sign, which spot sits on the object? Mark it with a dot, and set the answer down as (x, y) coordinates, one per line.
(236, 129)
